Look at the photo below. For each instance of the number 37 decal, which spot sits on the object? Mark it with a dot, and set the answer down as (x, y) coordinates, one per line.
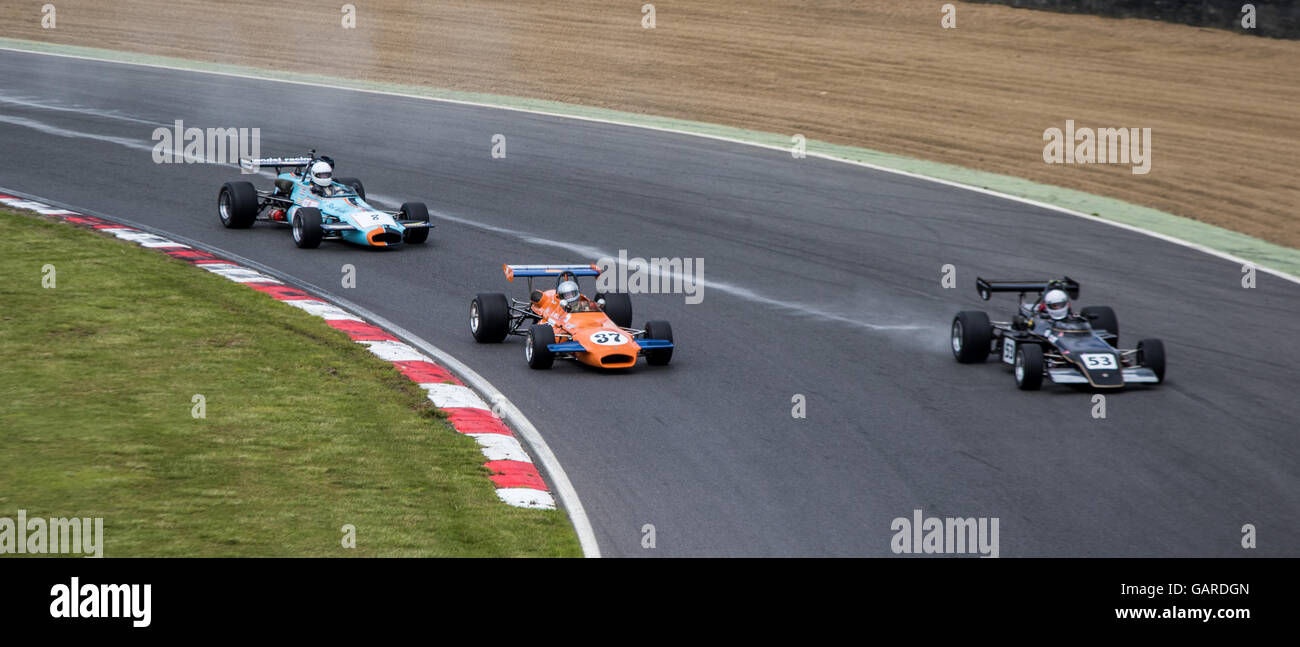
(608, 338)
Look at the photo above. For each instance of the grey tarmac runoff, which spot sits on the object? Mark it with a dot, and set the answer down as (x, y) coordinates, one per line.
(823, 279)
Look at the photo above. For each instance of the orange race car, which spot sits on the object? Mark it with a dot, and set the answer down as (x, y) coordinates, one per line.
(568, 325)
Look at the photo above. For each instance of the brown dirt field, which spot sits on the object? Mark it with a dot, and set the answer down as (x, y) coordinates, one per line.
(1224, 108)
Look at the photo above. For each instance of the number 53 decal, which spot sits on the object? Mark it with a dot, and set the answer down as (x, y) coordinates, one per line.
(1098, 360)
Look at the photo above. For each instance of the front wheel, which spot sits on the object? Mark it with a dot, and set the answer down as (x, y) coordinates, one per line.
(658, 330)
(1029, 366)
(1151, 354)
(307, 232)
(418, 212)
(535, 351)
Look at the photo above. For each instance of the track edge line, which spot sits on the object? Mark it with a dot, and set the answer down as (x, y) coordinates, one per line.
(536, 444)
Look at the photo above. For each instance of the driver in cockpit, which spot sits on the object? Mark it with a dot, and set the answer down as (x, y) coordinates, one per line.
(322, 179)
(1056, 304)
(570, 298)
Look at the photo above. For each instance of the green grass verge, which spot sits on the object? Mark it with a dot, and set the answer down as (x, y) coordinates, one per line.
(305, 431)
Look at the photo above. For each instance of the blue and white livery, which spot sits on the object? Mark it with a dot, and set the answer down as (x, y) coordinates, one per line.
(318, 206)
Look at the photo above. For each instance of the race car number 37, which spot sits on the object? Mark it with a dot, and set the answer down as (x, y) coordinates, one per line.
(605, 338)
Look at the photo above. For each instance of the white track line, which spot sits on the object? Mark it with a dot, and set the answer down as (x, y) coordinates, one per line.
(490, 444)
(824, 156)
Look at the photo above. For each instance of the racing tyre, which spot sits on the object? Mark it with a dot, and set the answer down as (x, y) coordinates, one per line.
(536, 351)
(1151, 354)
(971, 336)
(489, 318)
(618, 307)
(355, 184)
(658, 330)
(1029, 366)
(415, 211)
(1104, 318)
(237, 205)
(307, 233)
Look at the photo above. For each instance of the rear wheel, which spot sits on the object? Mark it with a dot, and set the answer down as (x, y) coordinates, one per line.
(617, 306)
(535, 351)
(418, 212)
(1151, 354)
(307, 233)
(1102, 317)
(489, 318)
(353, 184)
(237, 205)
(1029, 366)
(972, 334)
(658, 330)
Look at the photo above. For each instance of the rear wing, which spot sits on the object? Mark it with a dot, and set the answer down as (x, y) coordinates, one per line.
(986, 287)
(549, 270)
(253, 164)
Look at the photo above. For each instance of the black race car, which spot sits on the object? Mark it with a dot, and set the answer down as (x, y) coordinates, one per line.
(1078, 349)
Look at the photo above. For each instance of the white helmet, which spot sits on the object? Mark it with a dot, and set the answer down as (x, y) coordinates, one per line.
(567, 291)
(322, 173)
(1057, 303)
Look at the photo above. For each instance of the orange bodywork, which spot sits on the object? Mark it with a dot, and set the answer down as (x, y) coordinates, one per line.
(607, 345)
(370, 237)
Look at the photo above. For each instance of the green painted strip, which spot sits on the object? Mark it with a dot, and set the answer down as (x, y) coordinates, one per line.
(1259, 252)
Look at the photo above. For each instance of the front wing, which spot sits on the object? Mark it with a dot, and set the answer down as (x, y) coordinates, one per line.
(577, 347)
(1134, 375)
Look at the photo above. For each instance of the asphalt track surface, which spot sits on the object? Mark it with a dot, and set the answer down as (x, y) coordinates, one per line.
(823, 280)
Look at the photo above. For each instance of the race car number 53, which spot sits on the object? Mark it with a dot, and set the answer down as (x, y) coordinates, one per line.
(1099, 360)
(608, 338)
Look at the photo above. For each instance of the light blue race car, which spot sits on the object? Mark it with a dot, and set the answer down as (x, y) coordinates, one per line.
(318, 206)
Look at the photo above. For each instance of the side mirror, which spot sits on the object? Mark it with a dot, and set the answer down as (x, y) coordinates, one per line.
(536, 296)
(1018, 322)
(284, 185)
